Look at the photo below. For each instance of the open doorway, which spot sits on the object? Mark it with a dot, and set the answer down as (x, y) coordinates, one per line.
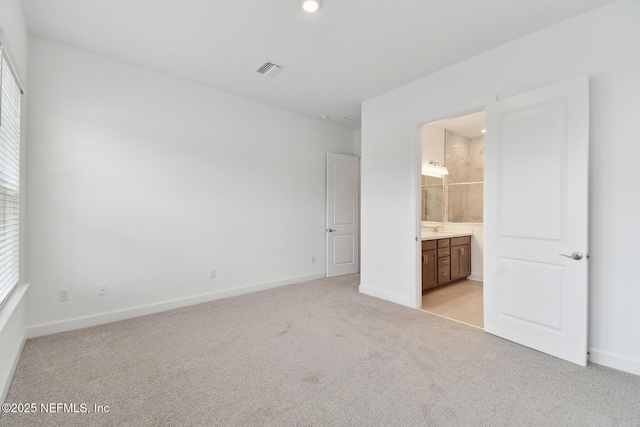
(534, 255)
(452, 194)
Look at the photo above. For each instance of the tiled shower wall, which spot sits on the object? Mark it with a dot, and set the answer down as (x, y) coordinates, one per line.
(464, 158)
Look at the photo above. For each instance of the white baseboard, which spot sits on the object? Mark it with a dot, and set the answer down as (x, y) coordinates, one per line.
(614, 361)
(128, 313)
(476, 277)
(385, 296)
(597, 356)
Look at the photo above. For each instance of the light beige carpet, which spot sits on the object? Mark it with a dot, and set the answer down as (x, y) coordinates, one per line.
(461, 301)
(312, 354)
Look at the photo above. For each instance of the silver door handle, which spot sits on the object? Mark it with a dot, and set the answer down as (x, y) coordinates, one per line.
(331, 230)
(575, 256)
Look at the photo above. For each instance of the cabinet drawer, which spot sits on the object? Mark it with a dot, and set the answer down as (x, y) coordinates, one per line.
(444, 243)
(444, 274)
(444, 261)
(460, 240)
(443, 252)
(428, 244)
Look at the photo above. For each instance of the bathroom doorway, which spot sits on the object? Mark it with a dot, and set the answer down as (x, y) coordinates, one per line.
(451, 214)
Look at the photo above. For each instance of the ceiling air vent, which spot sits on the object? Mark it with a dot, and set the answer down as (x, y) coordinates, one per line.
(355, 116)
(269, 69)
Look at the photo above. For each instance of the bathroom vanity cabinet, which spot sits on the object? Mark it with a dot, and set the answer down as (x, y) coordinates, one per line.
(429, 264)
(460, 258)
(445, 260)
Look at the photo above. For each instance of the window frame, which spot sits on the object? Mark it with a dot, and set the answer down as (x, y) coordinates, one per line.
(10, 160)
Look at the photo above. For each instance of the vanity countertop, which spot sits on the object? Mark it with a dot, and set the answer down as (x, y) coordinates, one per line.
(434, 235)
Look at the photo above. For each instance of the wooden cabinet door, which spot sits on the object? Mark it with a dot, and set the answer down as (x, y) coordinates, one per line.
(429, 269)
(460, 262)
(465, 264)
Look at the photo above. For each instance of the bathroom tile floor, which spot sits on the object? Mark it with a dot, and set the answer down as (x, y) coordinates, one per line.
(461, 301)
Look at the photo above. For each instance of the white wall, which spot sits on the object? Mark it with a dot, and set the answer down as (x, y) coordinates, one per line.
(15, 37)
(598, 44)
(146, 182)
(13, 317)
(432, 140)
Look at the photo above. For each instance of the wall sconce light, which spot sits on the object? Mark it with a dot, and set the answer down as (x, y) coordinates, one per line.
(311, 5)
(435, 170)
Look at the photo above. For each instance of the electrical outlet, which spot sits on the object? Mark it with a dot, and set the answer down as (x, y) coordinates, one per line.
(64, 295)
(102, 290)
(212, 274)
(313, 259)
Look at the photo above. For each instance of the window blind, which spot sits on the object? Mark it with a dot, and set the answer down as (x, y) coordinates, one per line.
(10, 99)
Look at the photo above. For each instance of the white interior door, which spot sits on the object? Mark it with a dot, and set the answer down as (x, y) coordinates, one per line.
(343, 214)
(536, 190)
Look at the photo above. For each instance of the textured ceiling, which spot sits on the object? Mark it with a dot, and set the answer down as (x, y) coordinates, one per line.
(350, 51)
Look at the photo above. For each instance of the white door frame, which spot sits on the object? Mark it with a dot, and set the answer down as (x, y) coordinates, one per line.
(416, 185)
(567, 353)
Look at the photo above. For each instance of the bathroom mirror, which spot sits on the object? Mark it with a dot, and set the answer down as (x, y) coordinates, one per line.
(457, 195)
(432, 196)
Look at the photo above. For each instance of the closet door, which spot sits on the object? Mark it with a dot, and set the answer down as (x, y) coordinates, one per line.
(343, 215)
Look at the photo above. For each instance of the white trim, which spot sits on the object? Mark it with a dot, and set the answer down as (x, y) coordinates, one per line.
(476, 277)
(128, 313)
(417, 123)
(415, 298)
(385, 296)
(615, 361)
(6, 312)
(11, 303)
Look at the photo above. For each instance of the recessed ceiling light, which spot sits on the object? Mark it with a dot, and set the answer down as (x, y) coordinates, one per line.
(483, 130)
(311, 5)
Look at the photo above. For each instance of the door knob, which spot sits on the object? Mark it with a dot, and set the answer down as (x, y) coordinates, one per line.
(575, 256)
(331, 230)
